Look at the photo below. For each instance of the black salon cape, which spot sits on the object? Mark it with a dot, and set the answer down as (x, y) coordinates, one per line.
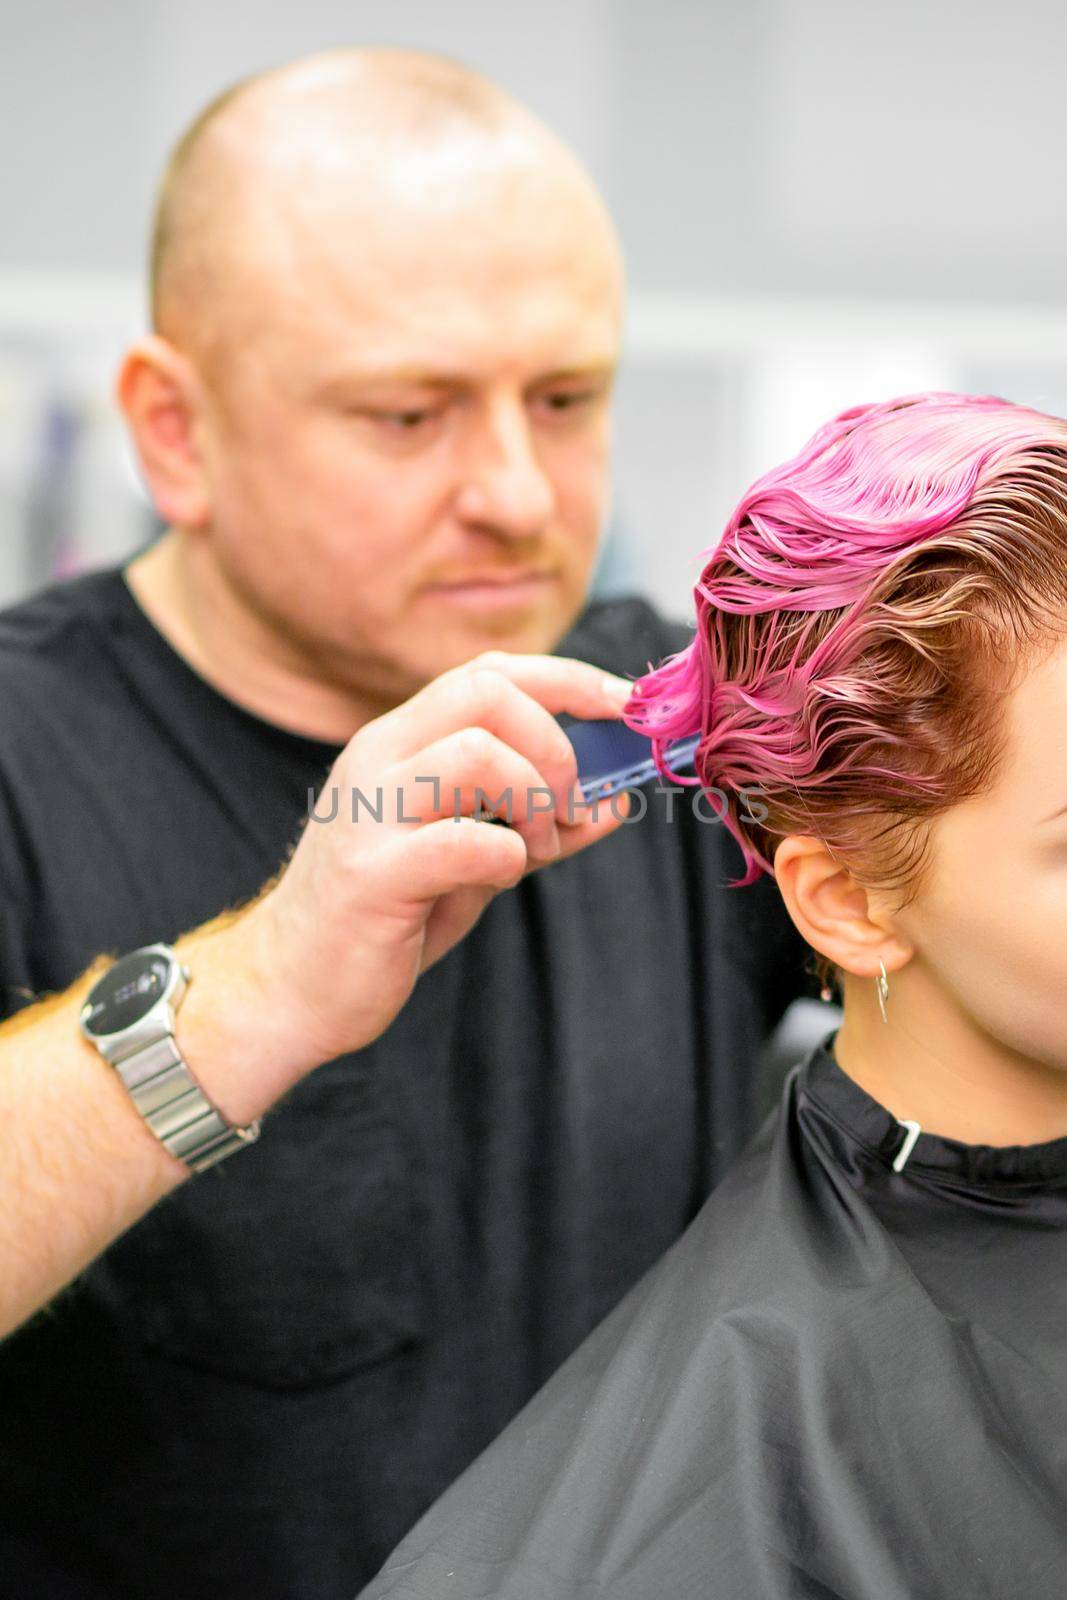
(842, 1381)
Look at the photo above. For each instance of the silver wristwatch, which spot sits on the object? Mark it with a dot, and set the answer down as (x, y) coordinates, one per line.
(129, 1016)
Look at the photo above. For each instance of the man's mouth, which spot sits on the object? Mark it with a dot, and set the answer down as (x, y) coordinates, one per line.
(496, 588)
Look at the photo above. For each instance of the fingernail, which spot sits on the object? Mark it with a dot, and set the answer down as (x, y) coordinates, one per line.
(618, 690)
(553, 845)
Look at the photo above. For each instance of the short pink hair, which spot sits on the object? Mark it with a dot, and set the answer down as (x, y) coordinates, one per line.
(855, 622)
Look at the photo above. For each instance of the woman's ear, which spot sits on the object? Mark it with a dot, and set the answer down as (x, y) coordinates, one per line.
(837, 916)
(162, 399)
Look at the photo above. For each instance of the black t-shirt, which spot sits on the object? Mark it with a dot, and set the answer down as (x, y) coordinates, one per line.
(843, 1383)
(259, 1388)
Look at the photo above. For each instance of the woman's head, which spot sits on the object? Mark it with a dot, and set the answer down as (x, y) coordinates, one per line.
(865, 630)
(859, 621)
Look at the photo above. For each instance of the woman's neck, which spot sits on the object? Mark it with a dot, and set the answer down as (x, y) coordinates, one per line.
(933, 1064)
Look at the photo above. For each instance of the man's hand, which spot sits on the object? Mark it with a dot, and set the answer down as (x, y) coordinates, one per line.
(365, 906)
(319, 965)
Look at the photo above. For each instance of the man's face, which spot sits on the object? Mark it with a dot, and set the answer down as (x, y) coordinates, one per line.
(407, 438)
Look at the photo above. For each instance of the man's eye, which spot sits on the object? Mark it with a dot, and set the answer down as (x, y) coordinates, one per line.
(561, 402)
(404, 421)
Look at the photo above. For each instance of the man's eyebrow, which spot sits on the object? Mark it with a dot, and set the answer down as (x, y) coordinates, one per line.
(590, 369)
(416, 377)
(390, 377)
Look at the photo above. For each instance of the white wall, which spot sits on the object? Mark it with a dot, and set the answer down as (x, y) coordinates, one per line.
(94, 94)
(898, 147)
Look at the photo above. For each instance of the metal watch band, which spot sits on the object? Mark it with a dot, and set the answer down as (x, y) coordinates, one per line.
(175, 1107)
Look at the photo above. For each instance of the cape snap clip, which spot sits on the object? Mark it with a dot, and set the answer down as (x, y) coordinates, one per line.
(908, 1146)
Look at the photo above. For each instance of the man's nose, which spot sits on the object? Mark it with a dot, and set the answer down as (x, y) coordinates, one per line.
(505, 487)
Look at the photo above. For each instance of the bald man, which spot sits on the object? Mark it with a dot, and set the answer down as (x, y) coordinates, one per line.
(374, 415)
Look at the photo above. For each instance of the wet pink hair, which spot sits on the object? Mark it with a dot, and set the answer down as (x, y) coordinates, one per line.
(859, 620)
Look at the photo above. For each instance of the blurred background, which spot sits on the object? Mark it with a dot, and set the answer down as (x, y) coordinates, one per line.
(821, 201)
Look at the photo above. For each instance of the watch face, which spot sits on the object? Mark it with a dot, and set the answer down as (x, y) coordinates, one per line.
(126, 993)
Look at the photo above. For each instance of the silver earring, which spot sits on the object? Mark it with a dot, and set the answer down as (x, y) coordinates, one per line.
(882, 984)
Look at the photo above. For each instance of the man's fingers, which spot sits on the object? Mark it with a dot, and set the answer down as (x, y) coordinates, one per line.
(490, 701)
(560, 683)
(472, 771)
(515, 697)
(448, 855)
(590, 825)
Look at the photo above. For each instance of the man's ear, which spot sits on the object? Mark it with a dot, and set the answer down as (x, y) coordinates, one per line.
(162, 399)
(836, 915)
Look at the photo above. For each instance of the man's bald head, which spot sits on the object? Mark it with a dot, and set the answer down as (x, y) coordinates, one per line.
(378, 414)
(332, 133)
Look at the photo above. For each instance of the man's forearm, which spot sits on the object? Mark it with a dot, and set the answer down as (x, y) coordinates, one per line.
(78, 1165)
